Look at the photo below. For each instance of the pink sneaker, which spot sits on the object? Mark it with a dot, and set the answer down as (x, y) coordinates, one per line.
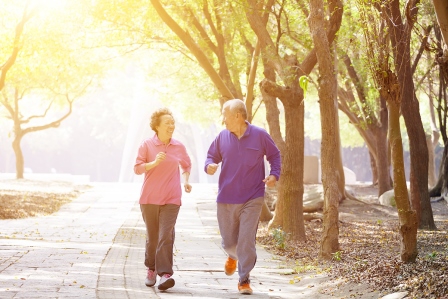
(166, 282)
(151, 278)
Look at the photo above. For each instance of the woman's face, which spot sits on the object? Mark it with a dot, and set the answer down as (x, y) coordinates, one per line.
(166, 127)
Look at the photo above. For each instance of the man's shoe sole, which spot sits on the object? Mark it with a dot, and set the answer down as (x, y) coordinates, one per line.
(167, 284)
(246, 292)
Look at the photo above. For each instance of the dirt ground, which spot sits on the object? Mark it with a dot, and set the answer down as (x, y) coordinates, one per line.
(29, 198)
(368, 264)
(354, 210)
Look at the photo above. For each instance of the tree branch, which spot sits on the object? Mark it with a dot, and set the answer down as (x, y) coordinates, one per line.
(53, 124)
(422, 48)
(27, 15)
(195, 50)
(202, 33)
(335, 22)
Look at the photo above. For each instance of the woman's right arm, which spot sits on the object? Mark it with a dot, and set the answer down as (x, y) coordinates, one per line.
(141, 161)
(142, 164)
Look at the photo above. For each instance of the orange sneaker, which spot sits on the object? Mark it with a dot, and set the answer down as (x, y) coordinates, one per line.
(244, 287)
(230, 266)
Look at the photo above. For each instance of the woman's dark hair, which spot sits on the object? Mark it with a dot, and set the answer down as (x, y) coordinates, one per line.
(154, 122)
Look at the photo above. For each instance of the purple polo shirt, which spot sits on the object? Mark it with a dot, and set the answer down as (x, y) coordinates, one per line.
(242, 168)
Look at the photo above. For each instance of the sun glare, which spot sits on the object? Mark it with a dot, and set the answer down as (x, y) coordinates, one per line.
(51, 5)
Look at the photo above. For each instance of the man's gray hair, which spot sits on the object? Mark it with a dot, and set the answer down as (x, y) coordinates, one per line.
(236, 105)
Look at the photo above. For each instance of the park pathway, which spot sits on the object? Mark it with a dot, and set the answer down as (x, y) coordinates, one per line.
(94, 248)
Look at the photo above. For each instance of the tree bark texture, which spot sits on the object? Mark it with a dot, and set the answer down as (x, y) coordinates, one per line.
(329, 124)
(407, 217)
(293, 164)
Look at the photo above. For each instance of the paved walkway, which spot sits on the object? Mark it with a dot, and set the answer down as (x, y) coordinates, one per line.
(94, 248)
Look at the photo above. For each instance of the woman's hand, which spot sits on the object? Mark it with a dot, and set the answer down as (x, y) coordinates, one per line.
(159, 158)
(187, 187)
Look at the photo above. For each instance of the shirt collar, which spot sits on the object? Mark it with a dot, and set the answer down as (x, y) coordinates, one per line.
(157, 141)
(249, 127)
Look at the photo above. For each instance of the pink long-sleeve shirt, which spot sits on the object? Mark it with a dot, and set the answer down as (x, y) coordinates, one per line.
(162, 183)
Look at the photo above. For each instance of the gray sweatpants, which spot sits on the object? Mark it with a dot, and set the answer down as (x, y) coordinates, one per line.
(238, 225)
(160, 222)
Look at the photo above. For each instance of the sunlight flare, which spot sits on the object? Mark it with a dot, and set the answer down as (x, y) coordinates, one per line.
(51, 5)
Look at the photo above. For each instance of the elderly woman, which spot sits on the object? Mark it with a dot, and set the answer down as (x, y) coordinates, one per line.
(159, 158)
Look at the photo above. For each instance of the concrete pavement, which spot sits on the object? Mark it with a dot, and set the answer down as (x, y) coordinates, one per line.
(94, 248)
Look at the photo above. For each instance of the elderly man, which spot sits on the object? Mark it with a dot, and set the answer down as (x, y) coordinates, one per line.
(241, 149)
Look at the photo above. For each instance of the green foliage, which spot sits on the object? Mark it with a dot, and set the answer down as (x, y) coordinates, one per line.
(53, 60)
(393, 202)
(56, 60)
(337, 256)
(68, 45)
(303, 82)
(432, 256)
(305, 268)
(280, 237)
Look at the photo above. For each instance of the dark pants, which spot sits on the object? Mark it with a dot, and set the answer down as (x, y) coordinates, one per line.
(160, 222)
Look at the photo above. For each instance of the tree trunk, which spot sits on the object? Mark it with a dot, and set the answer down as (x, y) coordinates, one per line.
(374, 169)
(20, 164)
(442, 181)
(330, 130)
(432, 176)
(400, 35)
(384, 178)
(441, 9)
(432, 179)
(291, 191)
(407, 217)
(337, 152)
(272, 117)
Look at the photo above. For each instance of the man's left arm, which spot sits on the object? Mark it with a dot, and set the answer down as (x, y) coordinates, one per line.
(274, 159)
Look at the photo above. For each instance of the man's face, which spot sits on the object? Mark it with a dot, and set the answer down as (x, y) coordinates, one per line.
(230, 119)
